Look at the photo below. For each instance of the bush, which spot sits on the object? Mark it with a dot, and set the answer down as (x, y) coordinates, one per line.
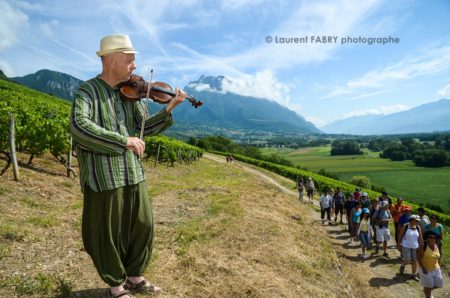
(361, 181)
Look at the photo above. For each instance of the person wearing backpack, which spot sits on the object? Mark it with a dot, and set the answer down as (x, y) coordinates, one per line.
(429, 260)
(382, 217)
(310, 189)
(338, 204)
(409, 240)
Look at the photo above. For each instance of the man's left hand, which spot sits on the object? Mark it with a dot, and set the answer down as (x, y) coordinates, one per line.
(179, 98)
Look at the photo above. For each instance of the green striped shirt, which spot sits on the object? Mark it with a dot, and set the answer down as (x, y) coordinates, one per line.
(100, 124)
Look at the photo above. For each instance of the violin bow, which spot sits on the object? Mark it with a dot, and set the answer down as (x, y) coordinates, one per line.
(146, 112)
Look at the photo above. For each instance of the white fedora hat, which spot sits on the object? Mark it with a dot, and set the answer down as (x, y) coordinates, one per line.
(119, 43)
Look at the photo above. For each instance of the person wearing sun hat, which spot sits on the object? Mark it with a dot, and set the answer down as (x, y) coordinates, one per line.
(382, 217)
(117, 220)
(409, 240)
(118, 43)
(429, 260)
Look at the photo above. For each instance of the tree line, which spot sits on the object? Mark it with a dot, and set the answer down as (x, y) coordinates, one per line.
(423, 154)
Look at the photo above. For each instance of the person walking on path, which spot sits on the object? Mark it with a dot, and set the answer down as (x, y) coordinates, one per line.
(375, 206)
(365, 232)
(357, 193)
(355, 216)
(436, 228)
(310, 189)
(385, 198)
(365, 201)
(382, 217)
(300, 189)
(403, 219)
(396, 211)
(349, 205)
(424, 219)
(325, 206)
(338, 204)
(409, 240)
(429, 260)
(117, 220)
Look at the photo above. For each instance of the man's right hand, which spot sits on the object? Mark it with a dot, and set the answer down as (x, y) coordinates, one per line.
(135, 144)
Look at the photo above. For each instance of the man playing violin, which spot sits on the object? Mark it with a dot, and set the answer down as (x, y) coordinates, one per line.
(117, 222)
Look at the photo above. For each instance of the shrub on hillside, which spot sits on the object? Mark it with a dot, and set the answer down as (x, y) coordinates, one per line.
(361, 181)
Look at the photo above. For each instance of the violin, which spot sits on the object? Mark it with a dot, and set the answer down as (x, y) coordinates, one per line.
(136, 88)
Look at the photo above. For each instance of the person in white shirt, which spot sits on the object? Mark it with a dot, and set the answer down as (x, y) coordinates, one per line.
(325, 206)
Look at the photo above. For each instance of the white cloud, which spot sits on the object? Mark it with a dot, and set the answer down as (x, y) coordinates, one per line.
(428, 62)
(319, 121)
(199, 87)
(263, 84)
(383, 110)
(444, 92)
(7, 68)
(238, 4)
(12, 22)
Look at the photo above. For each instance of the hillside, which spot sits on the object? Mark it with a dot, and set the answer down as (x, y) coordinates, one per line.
(51, 82)
(220, 232)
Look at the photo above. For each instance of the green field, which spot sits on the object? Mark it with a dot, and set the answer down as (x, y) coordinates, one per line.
(401, 178)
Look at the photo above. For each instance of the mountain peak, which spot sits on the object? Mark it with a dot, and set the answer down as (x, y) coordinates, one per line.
(52, 82)
(211, 83)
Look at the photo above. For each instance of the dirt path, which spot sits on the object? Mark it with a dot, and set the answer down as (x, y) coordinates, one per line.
(376, 276)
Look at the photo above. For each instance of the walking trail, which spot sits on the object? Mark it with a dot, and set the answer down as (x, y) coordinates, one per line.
(379, 275)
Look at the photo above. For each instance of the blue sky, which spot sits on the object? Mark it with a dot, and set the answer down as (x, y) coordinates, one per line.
(183, 39)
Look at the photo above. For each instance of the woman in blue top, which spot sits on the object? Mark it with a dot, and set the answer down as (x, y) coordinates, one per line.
(355, 217)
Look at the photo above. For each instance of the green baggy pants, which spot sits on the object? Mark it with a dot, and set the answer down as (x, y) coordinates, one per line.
(117, 231)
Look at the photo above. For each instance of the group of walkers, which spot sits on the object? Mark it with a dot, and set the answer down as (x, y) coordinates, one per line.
(307, 187)
(418, 237)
